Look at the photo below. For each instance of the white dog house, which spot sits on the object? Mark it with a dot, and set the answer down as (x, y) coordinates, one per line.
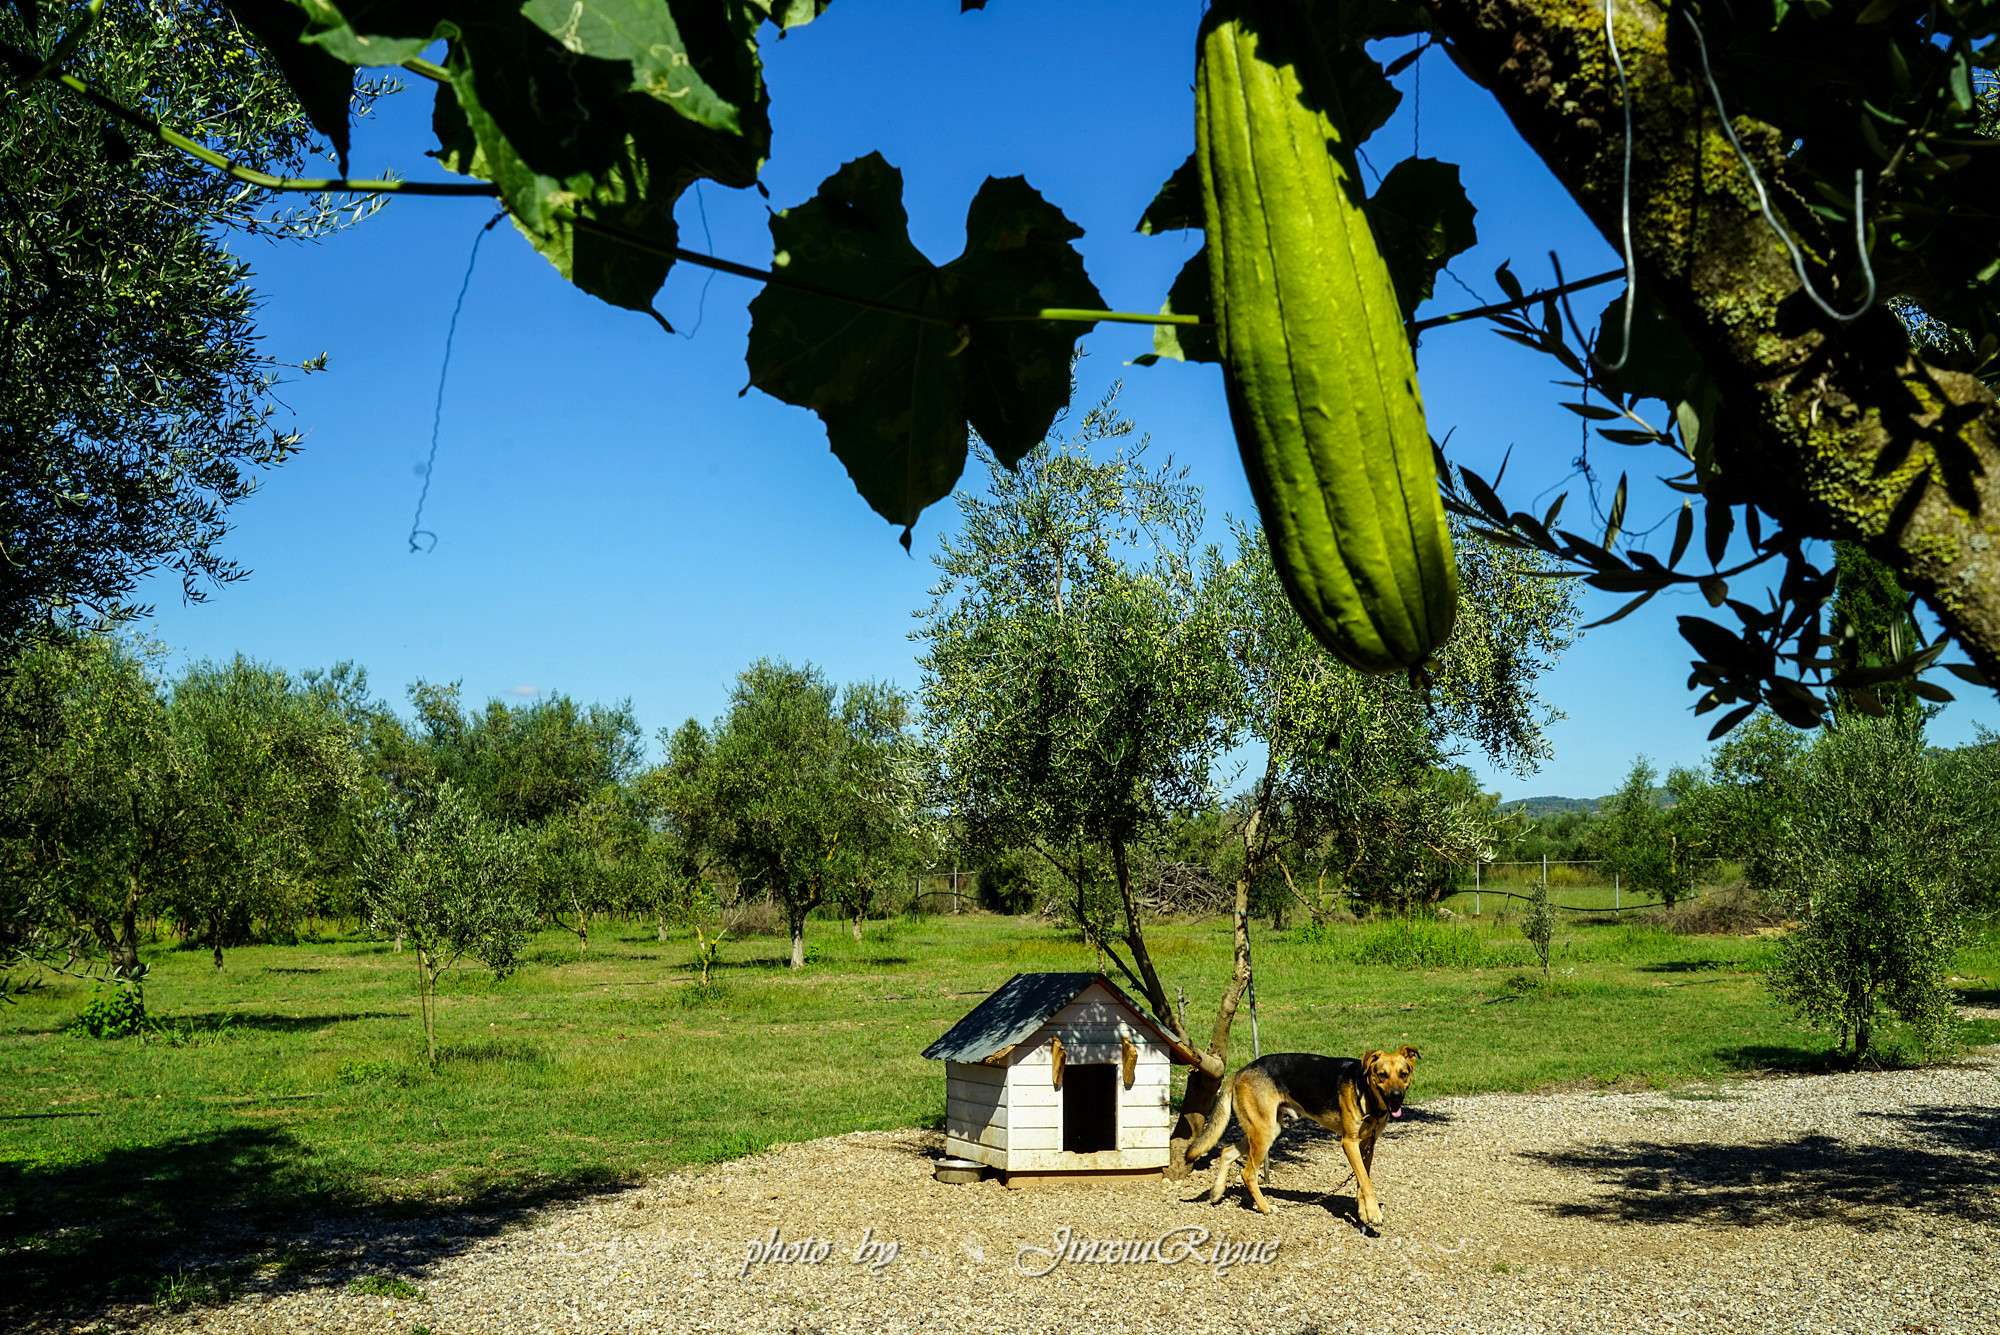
(1059, 1074)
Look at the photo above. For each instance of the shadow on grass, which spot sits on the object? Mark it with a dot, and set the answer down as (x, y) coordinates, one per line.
(77, 1237)
(249, 1021)
(1978, 996)
(216, 1024)
(494, 1051)
(1951, 1167)
(762, 964)
(1685, 966)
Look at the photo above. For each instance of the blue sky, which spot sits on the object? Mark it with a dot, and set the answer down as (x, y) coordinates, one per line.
(614, 521)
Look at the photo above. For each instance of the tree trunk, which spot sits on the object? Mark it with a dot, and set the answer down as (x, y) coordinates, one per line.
(124, 951)
(1858, 1006)
(1841, 431)
(1135, 940)
(427, 1005)
(662, 920)
(797, 918)
(1202, 1086)
(857, 924)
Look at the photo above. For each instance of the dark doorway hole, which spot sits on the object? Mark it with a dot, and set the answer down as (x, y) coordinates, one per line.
(1090, 1108)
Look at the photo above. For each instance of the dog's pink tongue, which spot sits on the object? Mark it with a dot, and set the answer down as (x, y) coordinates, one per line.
(1396, 1113)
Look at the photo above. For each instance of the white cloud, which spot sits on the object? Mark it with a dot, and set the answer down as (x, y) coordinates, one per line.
(526, 690)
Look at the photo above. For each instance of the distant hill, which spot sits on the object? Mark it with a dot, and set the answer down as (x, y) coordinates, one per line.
(1538, 807)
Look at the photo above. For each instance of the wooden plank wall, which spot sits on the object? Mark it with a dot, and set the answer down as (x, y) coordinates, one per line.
(1011, 1117)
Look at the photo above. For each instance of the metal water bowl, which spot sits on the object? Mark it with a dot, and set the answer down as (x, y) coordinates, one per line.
(958, 1172)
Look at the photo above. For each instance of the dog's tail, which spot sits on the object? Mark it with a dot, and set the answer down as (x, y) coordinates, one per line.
(1218, 1121)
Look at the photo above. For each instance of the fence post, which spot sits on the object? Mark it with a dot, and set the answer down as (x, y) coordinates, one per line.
(1614, 892)
(1475, 889)
(1545, 871)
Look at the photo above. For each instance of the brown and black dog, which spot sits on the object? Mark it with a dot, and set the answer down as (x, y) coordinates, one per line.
(1354, 1099)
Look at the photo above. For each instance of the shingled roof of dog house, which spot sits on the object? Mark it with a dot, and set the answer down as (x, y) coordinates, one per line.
(1059, 1074)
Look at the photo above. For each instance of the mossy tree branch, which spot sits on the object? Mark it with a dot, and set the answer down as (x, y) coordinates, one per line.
(1836, 430)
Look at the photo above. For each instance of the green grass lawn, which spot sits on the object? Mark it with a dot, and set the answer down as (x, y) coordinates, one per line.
(291, 1081)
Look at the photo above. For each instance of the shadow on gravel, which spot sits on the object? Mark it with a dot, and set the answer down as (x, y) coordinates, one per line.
(1328, 1182)
(1951, 1168)
(203, 1219)
(1299, 1134)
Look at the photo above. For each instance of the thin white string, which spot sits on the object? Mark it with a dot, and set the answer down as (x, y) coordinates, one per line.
(1764, 201)
(1625, 215)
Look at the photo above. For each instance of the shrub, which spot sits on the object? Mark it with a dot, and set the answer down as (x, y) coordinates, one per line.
(116, 1011)
(1538, 924)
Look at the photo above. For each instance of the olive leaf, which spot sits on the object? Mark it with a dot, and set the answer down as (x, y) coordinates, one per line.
(938, 350)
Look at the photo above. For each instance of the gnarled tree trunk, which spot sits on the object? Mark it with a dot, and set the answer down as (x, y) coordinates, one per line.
(1840, 431)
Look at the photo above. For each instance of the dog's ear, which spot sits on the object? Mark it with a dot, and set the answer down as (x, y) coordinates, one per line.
(1371, 1059)
(1411, 1053)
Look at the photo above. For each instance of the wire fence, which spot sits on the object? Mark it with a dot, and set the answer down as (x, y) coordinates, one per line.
(1588, 892)
(944, 892)
(1575, 885)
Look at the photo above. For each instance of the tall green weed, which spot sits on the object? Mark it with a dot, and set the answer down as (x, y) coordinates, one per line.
(1414, 943)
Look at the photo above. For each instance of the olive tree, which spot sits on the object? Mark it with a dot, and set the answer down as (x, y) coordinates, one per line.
(136, 406)
(677, 799)
(270, 768)
(1073, 680)
(798, 788)
(1355, 777)
(449, 882)
(889, 834)
(1657, 849)
(1873, 859)
(96, 798)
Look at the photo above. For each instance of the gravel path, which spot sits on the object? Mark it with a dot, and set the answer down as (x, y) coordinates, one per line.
(1823, 1203)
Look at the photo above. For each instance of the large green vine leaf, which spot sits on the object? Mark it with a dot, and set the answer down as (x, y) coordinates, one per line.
(898, 394)
(378, 32)
(597, 110)
(323, 84)
(1421, 219)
